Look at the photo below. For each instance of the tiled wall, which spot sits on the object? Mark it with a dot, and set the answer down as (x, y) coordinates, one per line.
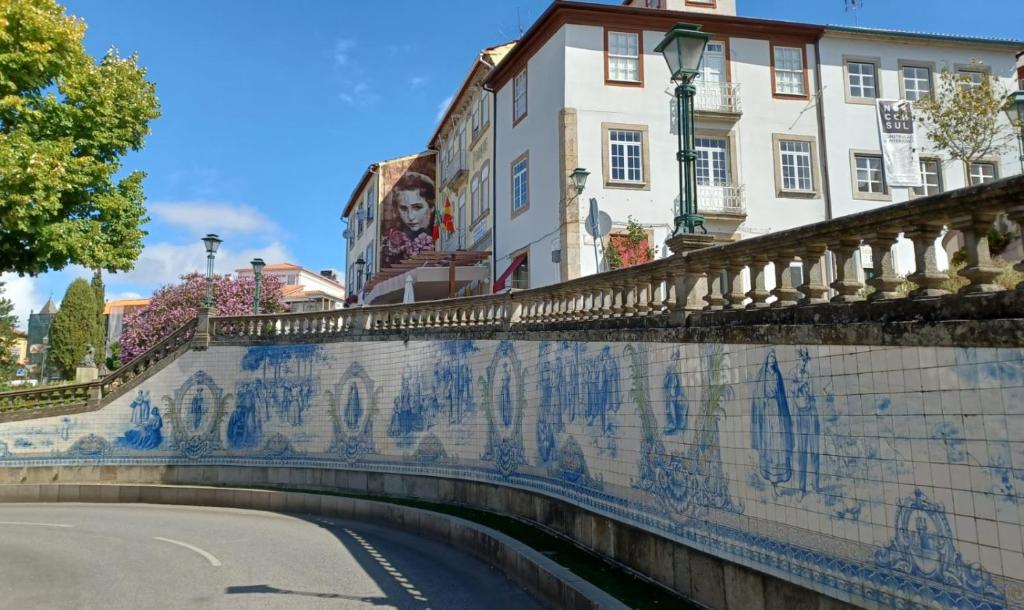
(884, 476)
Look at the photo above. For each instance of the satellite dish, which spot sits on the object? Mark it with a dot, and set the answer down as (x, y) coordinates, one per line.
(598, 223)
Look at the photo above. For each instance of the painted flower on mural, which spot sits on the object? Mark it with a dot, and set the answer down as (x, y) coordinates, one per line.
(398, 245)
(174, 305)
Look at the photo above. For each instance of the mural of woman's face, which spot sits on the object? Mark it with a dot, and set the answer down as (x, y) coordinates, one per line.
(413, 209)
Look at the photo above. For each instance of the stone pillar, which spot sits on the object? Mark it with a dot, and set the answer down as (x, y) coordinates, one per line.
(931, 282)
(813, 288)
(785, 293)
(201, 338)
(980, 272)
(846, 284)
(568, 160)
(885, 282)
(758, 293)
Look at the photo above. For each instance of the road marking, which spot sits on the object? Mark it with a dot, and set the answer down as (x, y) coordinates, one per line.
(36, 524)
(213, 560)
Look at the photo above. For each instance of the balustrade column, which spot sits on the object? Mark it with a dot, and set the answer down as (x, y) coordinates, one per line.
(931, 282)
(734, 298)
(813, 287)
(715, 300)
(886, 282)
(643, 295)
(758, 293)
(629, 300)
(980, 272)
(786, 295)
(618, 299)
(846, 283)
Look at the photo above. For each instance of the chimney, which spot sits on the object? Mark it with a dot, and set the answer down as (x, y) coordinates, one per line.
(330, 274)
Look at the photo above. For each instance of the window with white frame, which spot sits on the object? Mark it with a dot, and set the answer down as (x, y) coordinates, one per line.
(795, 162)
(368, 257)
(931, 178)
(971, 77)
(521, 184)
(371, 204)
(360, 219)
(460, 220)
(712, 161)
(982, 172)
(870, 177)
(485, 109)
(626, 156)
(789, 71)
(863, 79)
(476, 119)
(624, 57)
(519, 96)
(917, 82)
(474, 196)
(485, 189)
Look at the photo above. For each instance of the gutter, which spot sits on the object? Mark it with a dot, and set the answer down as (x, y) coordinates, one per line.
(486, 86)
(826, 185)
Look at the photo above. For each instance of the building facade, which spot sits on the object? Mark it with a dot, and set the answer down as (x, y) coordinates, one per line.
(39, 338)
(304, 290)
(780, 129)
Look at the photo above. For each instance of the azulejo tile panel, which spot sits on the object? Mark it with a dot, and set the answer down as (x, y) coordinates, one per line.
(885, 476)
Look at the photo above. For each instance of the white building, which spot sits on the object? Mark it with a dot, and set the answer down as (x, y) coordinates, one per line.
(304, 290)
(585, 88)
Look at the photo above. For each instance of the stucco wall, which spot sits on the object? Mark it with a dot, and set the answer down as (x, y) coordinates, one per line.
(870, 474)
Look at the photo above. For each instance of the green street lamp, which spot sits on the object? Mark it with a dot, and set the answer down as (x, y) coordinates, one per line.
(257, 272)
(683, 48)
(212, 242)
(1015, 111)
(579, 179)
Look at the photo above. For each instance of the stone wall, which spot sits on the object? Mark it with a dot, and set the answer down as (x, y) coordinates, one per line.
(885, 476)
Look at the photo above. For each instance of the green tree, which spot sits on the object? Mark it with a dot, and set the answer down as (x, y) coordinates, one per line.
(7, 323)
(66, 121)
(965, 117)
(73, 328)
(99, 295)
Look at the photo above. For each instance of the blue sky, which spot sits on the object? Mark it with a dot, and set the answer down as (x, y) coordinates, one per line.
(272, 110)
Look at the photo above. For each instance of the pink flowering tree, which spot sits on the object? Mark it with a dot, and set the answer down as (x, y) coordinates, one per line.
(174, 305)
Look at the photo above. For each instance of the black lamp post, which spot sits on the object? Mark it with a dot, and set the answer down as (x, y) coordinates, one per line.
(1015, 111)
(579, 179)
(360, 268)
(212, 242)
(683, 48)
(257, 272)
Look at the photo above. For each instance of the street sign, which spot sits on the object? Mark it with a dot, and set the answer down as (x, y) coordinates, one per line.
(21, 373)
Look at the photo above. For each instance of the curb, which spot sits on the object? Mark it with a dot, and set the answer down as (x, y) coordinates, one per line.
(542, 577)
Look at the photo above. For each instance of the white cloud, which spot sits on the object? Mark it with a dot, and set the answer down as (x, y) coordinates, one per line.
(417, 81)
(358, 94)
(443, 106)
(23, 293)
(342, 49)
(210, 217)
(120, 296)
(163, 263)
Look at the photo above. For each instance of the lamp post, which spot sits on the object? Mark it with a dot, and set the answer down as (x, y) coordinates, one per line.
(212, 242)
(683, 48)
(257, 272)
(360, 267)
(1015, 111)
(579, 179)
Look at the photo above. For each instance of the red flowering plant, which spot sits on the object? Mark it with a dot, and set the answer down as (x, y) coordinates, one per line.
(174, 305)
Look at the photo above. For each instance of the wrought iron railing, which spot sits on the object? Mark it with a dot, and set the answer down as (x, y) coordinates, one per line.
(717, 97)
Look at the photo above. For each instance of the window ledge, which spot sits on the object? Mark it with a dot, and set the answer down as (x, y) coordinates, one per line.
(863, 101)
(791, 194)
(872, 196)
(631, 186)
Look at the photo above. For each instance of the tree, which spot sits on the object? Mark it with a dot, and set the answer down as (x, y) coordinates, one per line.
(174, 305)
(8, 321)
(73, 328)
(65, 122)
(965, 117)
(99, 295)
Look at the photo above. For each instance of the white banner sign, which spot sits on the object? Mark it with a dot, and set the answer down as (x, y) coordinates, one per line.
(899, 143)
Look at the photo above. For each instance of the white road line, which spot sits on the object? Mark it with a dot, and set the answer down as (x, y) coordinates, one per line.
(213, 560)
(37, 524)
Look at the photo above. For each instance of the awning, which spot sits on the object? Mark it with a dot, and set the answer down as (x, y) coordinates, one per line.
(516, 262)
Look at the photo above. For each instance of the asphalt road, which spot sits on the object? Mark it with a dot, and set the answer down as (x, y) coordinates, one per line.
(135, 556)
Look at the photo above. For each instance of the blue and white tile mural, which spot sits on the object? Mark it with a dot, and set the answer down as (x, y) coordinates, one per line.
(886, 476)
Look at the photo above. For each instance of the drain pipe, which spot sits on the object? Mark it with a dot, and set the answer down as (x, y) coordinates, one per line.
(826, 184)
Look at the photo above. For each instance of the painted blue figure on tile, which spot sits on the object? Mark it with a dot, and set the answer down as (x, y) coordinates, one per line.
(808, 427)
(287, 380)
(245, 428)
(140, 408)
(411, 404)
(145, 434)
(437, 392)
(65, 428)
(676, 408)
(603, 398)
(924, 548)
(504, 440)
(453, 379)
(196, 409)
(771, 424)
(353, 420)
(353, 408)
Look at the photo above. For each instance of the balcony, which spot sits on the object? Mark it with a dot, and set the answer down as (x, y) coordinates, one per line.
(721, 200)
(454, 170)
(722, 99)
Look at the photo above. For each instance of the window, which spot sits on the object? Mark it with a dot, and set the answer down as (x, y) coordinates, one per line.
(521, 275)
(460, 221)
(931, 177)
(795, 162)
(862, 79)
(917, 82)
(371, 203)
(983, 172)
(360, 218)
(626, 153)
(485, 190)
(485, 109)
(520, 184)
(368, 257)
(476, 120)
(870, 177)
(623, 57)
(474, 196)
(972, 77)
(712, 161)
(789, 71)
(519, 97)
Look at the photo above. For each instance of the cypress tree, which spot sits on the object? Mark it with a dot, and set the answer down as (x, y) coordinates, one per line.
(99, 294)
(7, 323)
(73, 328)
